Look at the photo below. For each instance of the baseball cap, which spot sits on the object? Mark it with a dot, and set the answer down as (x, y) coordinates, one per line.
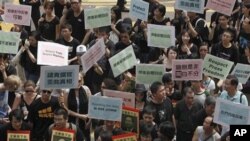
(81, 49)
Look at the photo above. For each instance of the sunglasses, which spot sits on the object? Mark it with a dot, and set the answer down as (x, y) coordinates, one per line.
(46, 91)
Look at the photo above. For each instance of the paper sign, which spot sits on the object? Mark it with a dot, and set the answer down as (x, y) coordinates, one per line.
(125, 137)
(139, 9)
(196, 6)
(62, 135)
(52, 54)
(53, 77)
(216, 67)
(221, 6)
(18, 135)
(94, 54)
(242, 72)
(187, 69)
(130, 120)
(9, 42)
(228, 113)
(97, 17)
(149, 73)
(17, 14)
(105, 108)
(161, 36)
(123, 61)
(128, 98)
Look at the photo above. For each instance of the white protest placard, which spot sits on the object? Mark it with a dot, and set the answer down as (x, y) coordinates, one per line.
(196, 6)
(139, 9)
(149, 73)
(161, 36)
(216, 67)
(227, 113)
(57, 77)
(123, 61)
(92, 55)
(9, 42)
(221, 6)
(187, 69)
(97, 17)
(128, 98)
(105, 108)
(17, 14)
(242, 72)
(52, 54)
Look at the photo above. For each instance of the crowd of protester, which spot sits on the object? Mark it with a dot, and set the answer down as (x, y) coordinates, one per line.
(180, 110)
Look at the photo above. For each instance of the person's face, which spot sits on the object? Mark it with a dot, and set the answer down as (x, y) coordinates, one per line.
(196, 84)
(160, 94)
(33, 41)
(66, 33)
(223, 20)
(226, 37)
(247, 51)
(139, 96)
(210, 109)
(245, 10)
(228, 86)
(103, 35)
(157, 13)
(203, 51)
(75, 5)
(109, 124)
(29, 89)
(59, 121)
(48, 10)
(146, 137)
(46, 94)
(129, 122)
(16, 124)
(124, 38)
(169, 85)
(189, 98)
(185, 38)
(207, 124)
(172, 54)
(148, 118)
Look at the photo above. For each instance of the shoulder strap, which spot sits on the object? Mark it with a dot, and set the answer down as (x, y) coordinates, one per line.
(200, 19)
(209, 136)
(241, 97)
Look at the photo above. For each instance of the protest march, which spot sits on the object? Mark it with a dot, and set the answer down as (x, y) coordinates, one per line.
(72, 71)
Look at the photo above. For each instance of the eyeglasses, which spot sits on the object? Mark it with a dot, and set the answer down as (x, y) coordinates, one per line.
(29, 91)
(46, 91)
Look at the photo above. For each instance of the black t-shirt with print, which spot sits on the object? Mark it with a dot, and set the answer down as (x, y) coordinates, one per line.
(41, 115)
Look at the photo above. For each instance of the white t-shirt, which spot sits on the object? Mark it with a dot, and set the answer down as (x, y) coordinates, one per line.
(201, 135)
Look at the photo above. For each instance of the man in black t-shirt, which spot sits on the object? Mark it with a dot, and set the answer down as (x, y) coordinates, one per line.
(162, 104)
(41, 114)
(68, 40)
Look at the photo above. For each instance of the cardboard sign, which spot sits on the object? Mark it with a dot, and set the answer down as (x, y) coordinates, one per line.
(130, 120)
(242, 72)
(59, 77)
(18, 135)
(149, 73)
(123, 61)
(196, 6)
(17, 14)
(63, 135)
(97, 17)
(92, 55)
(139, 9)
(128, 98)
(187, 69)
(228, 113)
(9, 42)
(161, 36)
(52, 54)
(216, 67)
(105, 108)
(125, 137)
(221, 6)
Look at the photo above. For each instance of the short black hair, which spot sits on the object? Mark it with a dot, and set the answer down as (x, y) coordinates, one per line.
(67, 26)
(149, 109)
(61, 111)
(155, 86)
(167, 130)
(17, 113)
(166, 78)
(210, 100)
(110, 84)
(186, 90)
(162, 9)
(146, 129)
(233, 80)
